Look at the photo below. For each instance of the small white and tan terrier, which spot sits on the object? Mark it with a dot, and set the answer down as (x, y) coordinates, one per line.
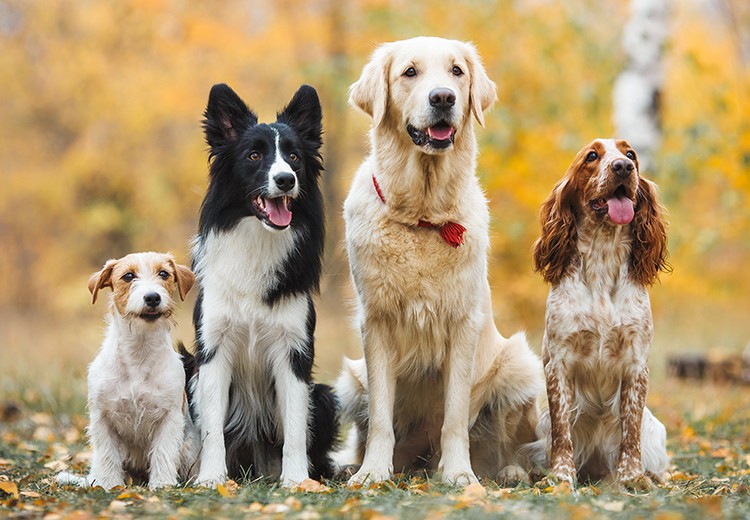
(139, 420)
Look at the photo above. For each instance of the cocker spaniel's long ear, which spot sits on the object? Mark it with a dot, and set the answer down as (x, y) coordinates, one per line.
(370, 92)
(649, 252)
(556, 248)
(482, 90)
(101, 279)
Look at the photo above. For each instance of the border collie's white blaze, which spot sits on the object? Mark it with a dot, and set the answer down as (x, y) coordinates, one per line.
(257, 256)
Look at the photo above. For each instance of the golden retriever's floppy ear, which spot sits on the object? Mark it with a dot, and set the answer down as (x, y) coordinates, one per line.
(184, 277)
(649, 252)
(370, 92)
(101, 279)
(482, 90)
(554, 251)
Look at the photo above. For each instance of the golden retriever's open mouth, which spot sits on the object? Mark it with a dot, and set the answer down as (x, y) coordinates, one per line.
(439, 135)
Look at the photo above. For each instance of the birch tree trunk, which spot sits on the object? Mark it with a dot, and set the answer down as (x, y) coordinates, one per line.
(638, 87)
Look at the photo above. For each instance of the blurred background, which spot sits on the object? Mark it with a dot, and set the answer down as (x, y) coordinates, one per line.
(101, 150)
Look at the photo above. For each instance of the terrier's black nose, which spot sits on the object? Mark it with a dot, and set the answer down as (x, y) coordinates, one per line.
(152, 299)
(442, 98)
(285, 181)
(622, 167)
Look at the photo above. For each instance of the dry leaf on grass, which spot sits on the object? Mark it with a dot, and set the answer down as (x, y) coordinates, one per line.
(9, 488)
(310, 486)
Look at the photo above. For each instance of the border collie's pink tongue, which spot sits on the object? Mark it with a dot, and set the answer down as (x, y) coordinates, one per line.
(277, 212)
(440, 133)
(620, 210)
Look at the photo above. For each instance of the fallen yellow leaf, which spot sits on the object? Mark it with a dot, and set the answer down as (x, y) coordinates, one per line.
(223, 491)
(9, 488)
(310, 486)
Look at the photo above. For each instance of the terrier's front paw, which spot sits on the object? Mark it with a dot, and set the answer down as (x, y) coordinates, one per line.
(369, 475)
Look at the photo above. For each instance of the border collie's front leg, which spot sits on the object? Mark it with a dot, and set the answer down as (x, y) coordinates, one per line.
(293, 395)
(212, 395)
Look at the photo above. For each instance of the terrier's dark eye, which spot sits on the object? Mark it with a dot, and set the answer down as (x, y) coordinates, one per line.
(630, 154)
(128, 277)
(592, 156)
(293, 157)
(410, 72)
(164, 275)
(457, 71)
(254, 156)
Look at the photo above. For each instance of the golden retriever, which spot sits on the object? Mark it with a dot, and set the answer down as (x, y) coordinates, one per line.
(438, 382)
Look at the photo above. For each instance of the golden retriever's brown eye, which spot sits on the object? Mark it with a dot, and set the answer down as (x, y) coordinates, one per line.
(630, 154)
(457, 71)
(163, 275)
(128, 277)
(410, 72)
(592, 156)
(293, 157)
(254, 156)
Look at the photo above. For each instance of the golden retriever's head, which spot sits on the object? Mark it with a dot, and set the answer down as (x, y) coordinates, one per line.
(426, 88)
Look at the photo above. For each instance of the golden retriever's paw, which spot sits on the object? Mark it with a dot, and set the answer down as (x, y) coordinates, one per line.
(512, 474)
(459, 477)
(368, 476)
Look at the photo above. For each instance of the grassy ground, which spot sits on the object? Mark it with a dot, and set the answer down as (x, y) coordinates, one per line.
(708, 431)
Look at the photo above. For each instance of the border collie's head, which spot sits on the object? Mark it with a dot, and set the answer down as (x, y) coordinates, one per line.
(265, 170)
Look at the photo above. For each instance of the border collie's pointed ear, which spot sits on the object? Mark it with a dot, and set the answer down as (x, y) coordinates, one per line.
(304, 114)
(482, 91)
(370, 92)
(101, 279)
(226, 116)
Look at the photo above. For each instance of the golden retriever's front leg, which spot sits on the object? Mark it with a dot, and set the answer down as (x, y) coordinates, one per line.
(632, 401)
(455, 461)
(381, 381)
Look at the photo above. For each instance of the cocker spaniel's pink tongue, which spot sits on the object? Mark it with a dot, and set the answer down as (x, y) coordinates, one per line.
(440, 133)
(277, 212)
(620, 210)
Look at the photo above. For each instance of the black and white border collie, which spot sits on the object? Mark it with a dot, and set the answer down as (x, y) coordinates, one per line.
(258, 259)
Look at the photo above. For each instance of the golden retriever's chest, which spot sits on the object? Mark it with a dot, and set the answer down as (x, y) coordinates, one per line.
(411, 271)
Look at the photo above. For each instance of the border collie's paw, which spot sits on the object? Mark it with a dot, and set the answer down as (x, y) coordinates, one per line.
(369, 476)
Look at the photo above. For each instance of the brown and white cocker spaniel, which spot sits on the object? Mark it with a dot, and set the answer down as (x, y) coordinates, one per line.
(603, 244)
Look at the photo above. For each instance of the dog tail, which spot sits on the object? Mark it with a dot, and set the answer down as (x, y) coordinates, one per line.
(324, 431)
(189, 363)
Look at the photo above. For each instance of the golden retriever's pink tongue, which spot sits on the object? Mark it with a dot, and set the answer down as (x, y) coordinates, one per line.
(620, 210)
(277, 212)
(440, 133)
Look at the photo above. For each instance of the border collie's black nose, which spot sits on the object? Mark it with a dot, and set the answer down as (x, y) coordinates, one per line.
(152, 299)
(285, 181)
(622, 168)
(442, 98)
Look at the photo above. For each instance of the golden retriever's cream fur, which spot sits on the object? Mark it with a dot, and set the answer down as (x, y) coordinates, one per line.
(438, 382)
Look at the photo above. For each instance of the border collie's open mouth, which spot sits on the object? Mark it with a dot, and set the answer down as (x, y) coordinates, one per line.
(439, 135)
(618, 206)
(274, 212)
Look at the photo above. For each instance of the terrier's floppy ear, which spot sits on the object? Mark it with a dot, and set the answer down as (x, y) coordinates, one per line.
(226, 117)
(482, 90)
(184, 277)
(370, 92)
(101, 279)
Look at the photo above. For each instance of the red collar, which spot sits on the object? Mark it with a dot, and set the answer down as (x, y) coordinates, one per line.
(451, 232)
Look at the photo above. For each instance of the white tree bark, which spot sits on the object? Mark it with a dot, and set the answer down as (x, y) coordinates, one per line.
(637, 88)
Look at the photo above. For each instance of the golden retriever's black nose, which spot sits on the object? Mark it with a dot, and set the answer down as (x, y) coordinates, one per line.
(152, 299)
(622, 168)
(285, 181)
(442, 98)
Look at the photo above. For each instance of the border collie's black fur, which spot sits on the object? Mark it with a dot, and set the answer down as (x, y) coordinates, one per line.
(258, 258)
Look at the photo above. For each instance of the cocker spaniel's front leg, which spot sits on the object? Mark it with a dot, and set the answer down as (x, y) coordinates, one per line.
(632, 401)
(560, 398)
